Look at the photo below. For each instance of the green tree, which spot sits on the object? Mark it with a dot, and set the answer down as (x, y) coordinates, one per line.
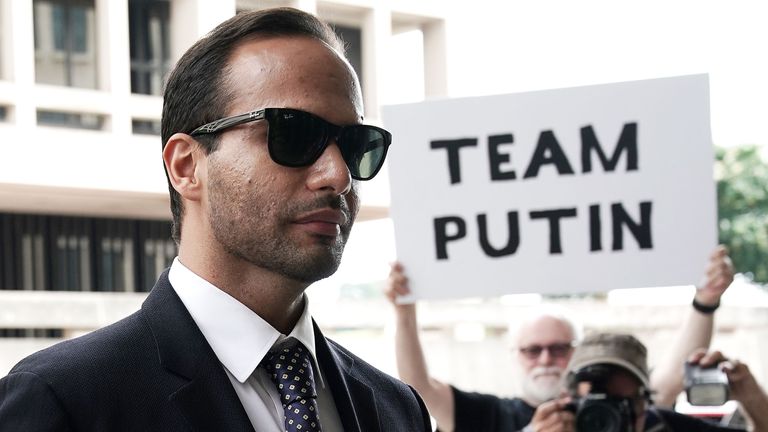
(742, 202)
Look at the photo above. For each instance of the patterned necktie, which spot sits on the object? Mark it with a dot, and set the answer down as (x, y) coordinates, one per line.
(290, 368)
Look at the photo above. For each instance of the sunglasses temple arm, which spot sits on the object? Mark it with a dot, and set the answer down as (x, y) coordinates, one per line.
(228, 122)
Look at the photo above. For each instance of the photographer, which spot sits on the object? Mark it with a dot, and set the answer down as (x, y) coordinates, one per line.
(742, 386)
(607, 380)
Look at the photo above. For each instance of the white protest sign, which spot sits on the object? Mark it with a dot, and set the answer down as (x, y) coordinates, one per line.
(559, 191)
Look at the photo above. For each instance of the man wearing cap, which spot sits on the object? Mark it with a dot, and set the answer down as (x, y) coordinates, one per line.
(612, 370)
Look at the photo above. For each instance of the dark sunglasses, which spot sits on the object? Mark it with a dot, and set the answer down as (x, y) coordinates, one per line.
(297, 139)
(557, 350)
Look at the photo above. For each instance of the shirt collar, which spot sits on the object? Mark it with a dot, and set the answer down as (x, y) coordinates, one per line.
(242, 339)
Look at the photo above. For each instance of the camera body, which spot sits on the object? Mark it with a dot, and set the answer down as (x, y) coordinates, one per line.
(598, 412)
(705, 386)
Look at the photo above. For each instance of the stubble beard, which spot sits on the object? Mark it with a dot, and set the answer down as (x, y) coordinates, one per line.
(259, 232)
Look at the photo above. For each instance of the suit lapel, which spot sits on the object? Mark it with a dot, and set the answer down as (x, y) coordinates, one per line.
(205, 395)
(354, 399)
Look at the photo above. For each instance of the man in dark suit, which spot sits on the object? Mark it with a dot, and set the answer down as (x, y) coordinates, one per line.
(263, 147)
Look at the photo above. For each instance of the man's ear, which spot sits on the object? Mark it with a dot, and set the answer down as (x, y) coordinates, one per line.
(183, 157)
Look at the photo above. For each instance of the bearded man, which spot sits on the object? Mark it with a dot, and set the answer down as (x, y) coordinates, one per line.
(543, 344)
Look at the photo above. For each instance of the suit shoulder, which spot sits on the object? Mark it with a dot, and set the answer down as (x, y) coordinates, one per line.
(29, 403)
(101, 348)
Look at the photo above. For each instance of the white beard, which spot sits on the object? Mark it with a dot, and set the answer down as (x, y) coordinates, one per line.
(541, 384)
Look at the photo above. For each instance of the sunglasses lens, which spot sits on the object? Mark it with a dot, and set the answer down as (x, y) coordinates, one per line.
(533, 351)
(364, 149)
(559, 350)
(296, 138)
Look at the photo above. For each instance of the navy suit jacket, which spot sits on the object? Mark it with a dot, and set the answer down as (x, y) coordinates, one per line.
(154, 371)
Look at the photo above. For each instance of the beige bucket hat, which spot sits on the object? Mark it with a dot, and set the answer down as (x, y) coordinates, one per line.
(614, 349)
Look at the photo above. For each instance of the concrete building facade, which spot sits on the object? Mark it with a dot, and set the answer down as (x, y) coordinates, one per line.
(84, 212)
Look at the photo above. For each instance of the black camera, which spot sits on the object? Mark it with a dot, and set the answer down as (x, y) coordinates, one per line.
(705, 386)
(598, 412)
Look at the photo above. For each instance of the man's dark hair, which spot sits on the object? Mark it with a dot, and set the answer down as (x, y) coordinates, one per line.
(198, 91)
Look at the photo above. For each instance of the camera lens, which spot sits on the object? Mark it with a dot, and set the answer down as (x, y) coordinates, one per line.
(598, 417)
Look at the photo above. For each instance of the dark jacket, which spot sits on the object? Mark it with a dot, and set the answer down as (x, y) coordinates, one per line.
(154, 371)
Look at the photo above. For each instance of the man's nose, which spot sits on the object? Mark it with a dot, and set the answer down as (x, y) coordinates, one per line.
(330, 171)
(545, 357)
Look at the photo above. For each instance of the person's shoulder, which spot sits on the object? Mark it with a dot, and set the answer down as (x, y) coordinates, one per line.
(514, 402)
(109, 379)
(100, 350)
(518, 403)
(483, 411)
(473, 398)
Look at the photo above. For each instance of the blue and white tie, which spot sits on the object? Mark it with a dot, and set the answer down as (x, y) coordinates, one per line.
(290, 368)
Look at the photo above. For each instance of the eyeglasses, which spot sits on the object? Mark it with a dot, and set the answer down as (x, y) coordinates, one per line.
(297, 139)
(556, 350)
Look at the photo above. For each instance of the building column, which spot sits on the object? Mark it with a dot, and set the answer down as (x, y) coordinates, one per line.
(435, 59)
(377, 30)
(6, 41)
(193, 19)
(21, 59)
(114, 60)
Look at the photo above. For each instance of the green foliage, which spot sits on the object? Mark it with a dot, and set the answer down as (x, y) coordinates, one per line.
(742, 201)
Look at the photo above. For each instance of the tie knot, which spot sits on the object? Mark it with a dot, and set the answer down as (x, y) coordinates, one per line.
(290, 367)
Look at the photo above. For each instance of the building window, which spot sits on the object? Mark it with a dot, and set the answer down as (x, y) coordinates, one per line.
(3, 113)
(353, 44)
(32, 256)
(146, 127)
(31, 333)
(65, 43)
(115, 256)
(70, 253)
(57, 253)
(70, 120)
(149, 22)
(158, 254)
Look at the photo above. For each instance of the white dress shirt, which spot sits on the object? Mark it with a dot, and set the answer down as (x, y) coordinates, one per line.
(240, 339)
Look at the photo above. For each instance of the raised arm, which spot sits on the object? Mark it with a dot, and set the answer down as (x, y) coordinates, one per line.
(411, 365)
(696, 331)
(742, 385)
